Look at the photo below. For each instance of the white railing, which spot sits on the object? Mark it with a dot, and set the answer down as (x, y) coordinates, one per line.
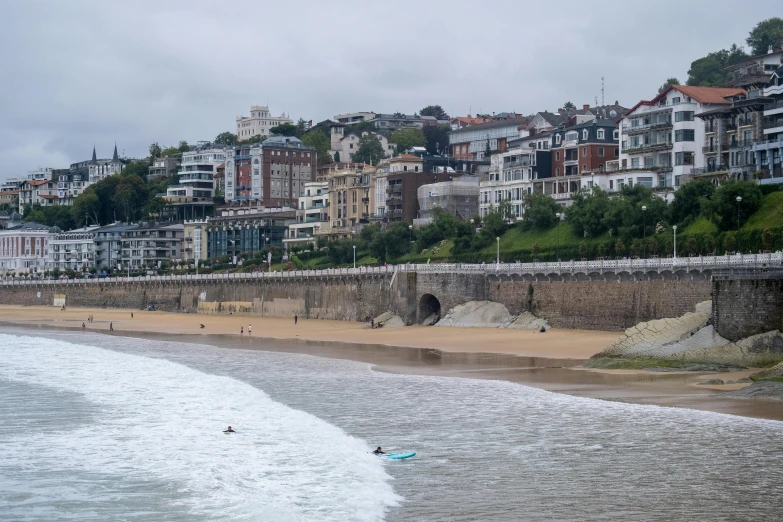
(620, 265)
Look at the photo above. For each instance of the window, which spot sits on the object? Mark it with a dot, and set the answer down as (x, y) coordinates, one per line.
(557, 155)
(683, 158)
(601, 134)
(557, 171)
(571, 136)
(600, 151)
(616, 152)
(584, 152)
(584, 134)
(557, 139)
(684, 135)
(616, 135)
(611, 184)
(675, 100)
(683, 116)
(635, 163)
(584, 168)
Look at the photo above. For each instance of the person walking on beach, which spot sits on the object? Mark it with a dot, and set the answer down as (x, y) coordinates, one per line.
(83, 327)
(250, 329)
(111, 327)
(296, 318)
(131, 315)
(241, 330)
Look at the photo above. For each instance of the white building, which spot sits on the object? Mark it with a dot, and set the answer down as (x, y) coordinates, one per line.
(40, 192)
(312, 216)
(663, 138)
(347, 145)
(73, 250)
(100, 169)
(23, 246)
(769, 151)
(510, 178)
(354, 117)
(152, 245)
(193, 194)
(259, 122)
(40, 173)
(108, 245)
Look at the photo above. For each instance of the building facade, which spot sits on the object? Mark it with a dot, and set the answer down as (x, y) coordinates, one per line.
(108, 245)
(259, 122)
(247, 231)
(100, 169)
(163, 168)
(37, 193)
(149, 245)
(458, 197)
(471, 142)
(343, 147)
(72, 250)
(270, 174)
(192, 196)
(195, 240)
(312, 216)
(351, 202)
(23, 246)
(768, 150)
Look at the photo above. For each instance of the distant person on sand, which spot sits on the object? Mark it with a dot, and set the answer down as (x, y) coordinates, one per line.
(296, 318)
(202, 326)
(83, 327)
(543, 329)
(241, 330)
(111, 327)
(372, 323)
(250, 329)
(379, 451)
(131, 315)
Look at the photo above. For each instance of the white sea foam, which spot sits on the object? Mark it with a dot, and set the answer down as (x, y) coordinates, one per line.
(164, 420)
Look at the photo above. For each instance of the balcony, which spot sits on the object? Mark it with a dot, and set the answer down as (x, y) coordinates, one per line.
(738, 144)
(710, 169)
(636, 129)
(648, 147)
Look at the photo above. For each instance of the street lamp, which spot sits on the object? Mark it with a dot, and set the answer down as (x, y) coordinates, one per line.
(644, 230)
(675, 241)
(498, 242)
(354, 257)
(559, 217)
(410, 239)
(739, 199)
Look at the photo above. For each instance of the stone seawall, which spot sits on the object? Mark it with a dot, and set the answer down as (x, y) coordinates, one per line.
(600, 305)
(743, 307)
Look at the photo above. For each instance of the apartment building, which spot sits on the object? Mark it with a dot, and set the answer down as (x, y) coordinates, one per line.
(240, 231)
(74, 250)
(259, 122)
(162, 168)
(150, 245)
(192, 196)
(41, 173)
(70, 184)
(768, 150)
(404, 175)
(312, 215)
(351, 202)
(471, 142)
(99, 169)
(9, 194)
(354, 117)
(269, 174)
(40, 192)
(23, 246)
(108, 245)
(523, 169)
(664, 137)
(195, 240)
(458, 197)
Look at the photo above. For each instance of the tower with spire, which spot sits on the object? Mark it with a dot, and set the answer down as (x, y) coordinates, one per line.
(99, 169)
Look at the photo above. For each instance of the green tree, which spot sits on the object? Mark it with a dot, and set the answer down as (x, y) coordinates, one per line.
(130, 196)
(86, 206)
(137, 167)
(301, 128)
(226, 139)
(583, 249)
(170, 152)
(436, 138)
(154, 207)
(729, 242)
(183, 146)
(434, 110)
(337, 156)
(619, 248)
(724, 205)
(540, 212)
(319, 140)
(258, 138)
(586, 214)
(407, 138)
(709, 70)
(689, 201)
(370, 150)
(568, 106)
(667, 83)
(764, 34)
(767, 239)
(487, 151)
(155, 150)
(284, 129)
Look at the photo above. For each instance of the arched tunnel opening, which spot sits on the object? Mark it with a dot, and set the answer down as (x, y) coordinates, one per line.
(429, 306)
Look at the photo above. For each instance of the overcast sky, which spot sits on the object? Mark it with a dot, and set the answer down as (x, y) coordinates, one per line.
(79, 72)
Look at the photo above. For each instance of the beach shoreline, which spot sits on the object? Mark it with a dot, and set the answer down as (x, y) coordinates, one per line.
(550, 361)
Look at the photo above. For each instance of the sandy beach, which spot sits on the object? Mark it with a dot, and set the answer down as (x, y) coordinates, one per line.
(550, 361)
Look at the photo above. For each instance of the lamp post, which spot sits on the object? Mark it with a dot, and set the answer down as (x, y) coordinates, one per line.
(410, 239)
(675, 241)
(559, 216)
(498, 259)
(354, 257)
(739, 199)
(644, 230)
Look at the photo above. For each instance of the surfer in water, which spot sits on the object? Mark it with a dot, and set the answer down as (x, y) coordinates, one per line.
(229, 430)
(379, 451)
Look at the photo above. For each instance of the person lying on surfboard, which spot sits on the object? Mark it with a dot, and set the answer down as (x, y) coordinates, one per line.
(229, 430)
(378, 451)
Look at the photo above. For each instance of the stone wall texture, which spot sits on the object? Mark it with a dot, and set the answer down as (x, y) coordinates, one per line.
(745, 307)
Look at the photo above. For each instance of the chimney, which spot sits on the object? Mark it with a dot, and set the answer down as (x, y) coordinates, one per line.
(585, 106)
(616, 102)
(770, 50)
(560, 110)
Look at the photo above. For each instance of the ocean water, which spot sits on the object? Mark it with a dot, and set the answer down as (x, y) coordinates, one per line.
(99, 427)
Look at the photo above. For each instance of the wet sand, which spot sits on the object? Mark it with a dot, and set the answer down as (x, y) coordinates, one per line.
(550, 361)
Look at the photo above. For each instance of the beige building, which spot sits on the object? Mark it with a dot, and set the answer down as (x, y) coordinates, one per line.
(259, 122)
(195, 240)
(351, 199)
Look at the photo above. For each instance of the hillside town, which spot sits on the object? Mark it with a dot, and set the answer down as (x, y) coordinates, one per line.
(274, 187)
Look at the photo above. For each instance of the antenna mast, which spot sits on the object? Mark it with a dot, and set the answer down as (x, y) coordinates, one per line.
(602, 91)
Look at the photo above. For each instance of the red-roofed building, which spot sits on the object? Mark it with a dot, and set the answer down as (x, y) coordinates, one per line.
(662, 140)
(41, 192)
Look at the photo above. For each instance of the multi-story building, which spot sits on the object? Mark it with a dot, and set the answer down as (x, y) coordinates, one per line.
(192, 196)
(405, 174)
(108, 245)
(471, 142)
(351, 202)
(195, 240)
(523, 169)
(163, 168)
(150, 245)
(270, 174)
(70, 183)
(312, 216)
(398, 120)
(460, 122)
(663, 136)
(768, 150)
(74, 250)
(41, 173)
(343, 147)
(100, 169)
(40, 192)
(23, 246)
(755, 72)
(250, 230)
(730, 132)
(259, 122)
(354, 117)
(9, 194)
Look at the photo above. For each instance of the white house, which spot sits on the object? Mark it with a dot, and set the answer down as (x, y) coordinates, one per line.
(259, 122)
(347, 145)
(23, 246)
(312, 215)
(73, 250)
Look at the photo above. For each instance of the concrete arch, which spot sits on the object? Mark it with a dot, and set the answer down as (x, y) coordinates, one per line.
(428, 305)
(654, 276)
(697, 275)
(541, 277)
(517, 277)
(504, 277)
(553, 276)
(668, 275)
(595, 276)
(566, 276)
(639, 276)
(682, 275)
(493, 278)
(611, 276)
(528, 277)
(581, 276)
(624, 276)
